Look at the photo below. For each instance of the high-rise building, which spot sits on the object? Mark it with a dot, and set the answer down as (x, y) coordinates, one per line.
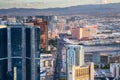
(74, 57)
(87, 32)
(70, 55)
(85, 72)
(44, 33)
(19, 53)
(44, 23)
(3, 52)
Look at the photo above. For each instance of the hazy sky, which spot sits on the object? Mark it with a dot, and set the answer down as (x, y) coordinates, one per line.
(49, 3)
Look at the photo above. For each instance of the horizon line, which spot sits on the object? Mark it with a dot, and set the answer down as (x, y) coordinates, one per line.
(60, 7)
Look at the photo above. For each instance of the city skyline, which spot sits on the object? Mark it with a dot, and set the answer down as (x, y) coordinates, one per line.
(40, 4)
(87, 47)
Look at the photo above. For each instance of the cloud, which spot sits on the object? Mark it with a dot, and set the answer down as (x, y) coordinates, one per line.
(13, 3)
(34, 3)
(31, 5)
(45, 3)
(110, 1)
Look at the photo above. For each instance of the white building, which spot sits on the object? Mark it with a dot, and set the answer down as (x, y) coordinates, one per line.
(75, 56)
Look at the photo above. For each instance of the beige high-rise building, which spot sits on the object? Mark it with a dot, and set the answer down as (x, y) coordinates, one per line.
(87, 32)
(85, 72)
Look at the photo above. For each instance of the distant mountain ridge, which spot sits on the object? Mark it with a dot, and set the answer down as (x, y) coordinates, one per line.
(113, 8)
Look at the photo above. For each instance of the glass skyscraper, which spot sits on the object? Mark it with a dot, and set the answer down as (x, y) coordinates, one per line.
(22, 54)
(3, 53)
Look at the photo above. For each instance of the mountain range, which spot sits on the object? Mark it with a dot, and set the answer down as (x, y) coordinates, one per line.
(98, 9)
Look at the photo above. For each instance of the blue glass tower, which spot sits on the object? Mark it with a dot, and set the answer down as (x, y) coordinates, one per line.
(3, 53)
(23, 52)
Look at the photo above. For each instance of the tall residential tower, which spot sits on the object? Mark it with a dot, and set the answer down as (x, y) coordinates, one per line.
(75, 57)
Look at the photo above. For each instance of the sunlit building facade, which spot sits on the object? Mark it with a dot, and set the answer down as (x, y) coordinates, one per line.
(87, 32)
(44, 33)
(85, 72)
